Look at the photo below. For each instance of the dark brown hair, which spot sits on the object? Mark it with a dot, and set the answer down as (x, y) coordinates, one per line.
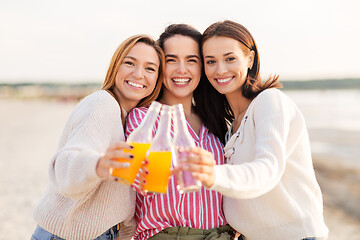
(187, 31)
(216, 108)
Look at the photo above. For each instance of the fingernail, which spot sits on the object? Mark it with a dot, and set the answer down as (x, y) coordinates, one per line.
(146, 162)
(131, 147)
(131, 156)
(116, 179)
(126, 164)
(147, 172)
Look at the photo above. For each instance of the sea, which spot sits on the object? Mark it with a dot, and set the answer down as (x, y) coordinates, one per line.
(333, 121)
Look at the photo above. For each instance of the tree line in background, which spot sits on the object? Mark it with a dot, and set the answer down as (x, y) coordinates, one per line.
(76, 91)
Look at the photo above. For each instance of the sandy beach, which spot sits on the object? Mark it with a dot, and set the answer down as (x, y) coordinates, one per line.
(30, 130)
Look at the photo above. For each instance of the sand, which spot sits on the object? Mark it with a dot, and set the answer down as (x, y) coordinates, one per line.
(29, 133)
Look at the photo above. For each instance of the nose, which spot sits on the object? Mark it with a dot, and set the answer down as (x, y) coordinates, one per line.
(221, 69)
(138, 73)
(181, 68)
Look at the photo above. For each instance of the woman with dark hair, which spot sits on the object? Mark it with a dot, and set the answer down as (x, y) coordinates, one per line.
(269, 185)
(192, 215)
(83, 199)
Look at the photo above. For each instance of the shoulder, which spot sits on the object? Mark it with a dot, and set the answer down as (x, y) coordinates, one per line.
(100, 101)
(271, 98)
(99, 106)
(270, 95)
(100, 96)
(274, 103)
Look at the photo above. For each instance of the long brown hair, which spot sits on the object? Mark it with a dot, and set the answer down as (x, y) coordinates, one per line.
(217, 108)
(117, 59)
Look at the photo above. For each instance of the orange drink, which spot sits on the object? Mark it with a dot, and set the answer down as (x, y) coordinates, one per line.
(128, 175)
(159, 172)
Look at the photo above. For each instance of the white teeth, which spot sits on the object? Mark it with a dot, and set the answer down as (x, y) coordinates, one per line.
(135, 84)
(181, 81)
(223, 80)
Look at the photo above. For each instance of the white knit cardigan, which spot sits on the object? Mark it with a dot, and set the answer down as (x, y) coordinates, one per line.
(269, 185)
(78, 204)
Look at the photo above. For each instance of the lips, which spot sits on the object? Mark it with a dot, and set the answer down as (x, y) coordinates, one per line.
(181, 81)
(224, 81)
(135, 85)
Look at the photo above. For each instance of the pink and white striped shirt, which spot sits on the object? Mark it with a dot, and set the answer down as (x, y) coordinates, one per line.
(201, 209)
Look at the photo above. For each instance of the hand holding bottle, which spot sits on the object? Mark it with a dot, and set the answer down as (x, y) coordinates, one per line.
(200, 163)
(108, 162)
(140, 139)
(183, 140)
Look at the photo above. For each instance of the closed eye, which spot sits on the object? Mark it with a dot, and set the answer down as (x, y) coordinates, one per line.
(129, 63)
(170, 60)
(150, 69)
(193, 60)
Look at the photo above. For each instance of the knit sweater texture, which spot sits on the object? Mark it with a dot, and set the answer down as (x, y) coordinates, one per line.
(78, 204)
(269, 185)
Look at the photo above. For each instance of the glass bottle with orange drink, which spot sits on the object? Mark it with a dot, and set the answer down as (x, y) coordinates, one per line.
(140, 139)
(159, 155)
(182, 138)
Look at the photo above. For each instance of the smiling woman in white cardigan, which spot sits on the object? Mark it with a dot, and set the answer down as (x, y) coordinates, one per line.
(269, 185)
(83, 200)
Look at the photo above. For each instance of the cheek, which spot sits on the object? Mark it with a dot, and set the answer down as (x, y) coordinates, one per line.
(196, 70)
(153, 80)
(169, 68)
(208, 71)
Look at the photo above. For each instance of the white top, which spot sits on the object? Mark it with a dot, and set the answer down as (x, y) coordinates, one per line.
(269, 185)
(78, 204)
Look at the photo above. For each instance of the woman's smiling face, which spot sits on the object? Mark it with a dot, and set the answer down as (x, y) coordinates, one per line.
(182, 66)
(137, 74)
(226, 64)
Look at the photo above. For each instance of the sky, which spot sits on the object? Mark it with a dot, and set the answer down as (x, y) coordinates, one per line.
(72, 41)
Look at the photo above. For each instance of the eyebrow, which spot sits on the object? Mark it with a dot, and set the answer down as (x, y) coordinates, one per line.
(133, 58)
(226, 54)
(188, 56)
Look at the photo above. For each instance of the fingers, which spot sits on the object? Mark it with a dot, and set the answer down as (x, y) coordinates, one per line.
(199, 158)
(208, 169)
(142, 178)
(207, 180)
(106, 166)
(199, 151)
(109, 163)
(116, 154)
(120, 145)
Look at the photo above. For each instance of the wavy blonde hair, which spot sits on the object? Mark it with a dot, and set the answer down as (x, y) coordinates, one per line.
(117, 59)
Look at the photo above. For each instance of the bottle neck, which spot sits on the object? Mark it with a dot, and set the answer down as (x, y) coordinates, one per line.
(143, 133)
(182, 136)
(162, 140)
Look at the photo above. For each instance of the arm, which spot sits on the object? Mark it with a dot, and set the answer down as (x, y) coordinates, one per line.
(260, 174)
(86, 137)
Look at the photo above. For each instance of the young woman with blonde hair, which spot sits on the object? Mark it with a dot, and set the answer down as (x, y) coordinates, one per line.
(83, 200)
